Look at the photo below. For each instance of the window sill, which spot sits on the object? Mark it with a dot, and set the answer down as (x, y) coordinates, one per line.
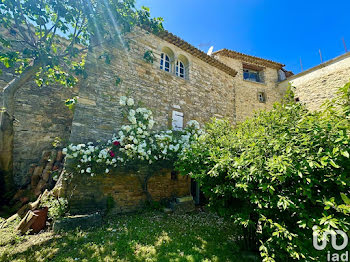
(173, 75)
(251, 81)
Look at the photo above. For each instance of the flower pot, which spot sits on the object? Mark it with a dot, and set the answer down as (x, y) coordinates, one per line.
(40, 222)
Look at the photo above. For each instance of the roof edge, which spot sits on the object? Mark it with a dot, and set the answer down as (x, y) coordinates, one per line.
(312, 69)
(185, 46)
(248, 58)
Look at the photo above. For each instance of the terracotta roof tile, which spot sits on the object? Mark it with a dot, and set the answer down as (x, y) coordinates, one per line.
(249, 58)
(177, 41)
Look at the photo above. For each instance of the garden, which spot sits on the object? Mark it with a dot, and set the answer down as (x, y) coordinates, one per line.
(274, 184)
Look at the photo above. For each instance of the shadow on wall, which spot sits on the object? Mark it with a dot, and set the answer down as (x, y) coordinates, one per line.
(129, 190)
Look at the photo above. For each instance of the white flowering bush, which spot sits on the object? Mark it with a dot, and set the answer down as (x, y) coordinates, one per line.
(135, 143)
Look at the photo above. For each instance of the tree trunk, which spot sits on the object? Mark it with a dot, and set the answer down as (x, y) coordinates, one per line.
(6, 125)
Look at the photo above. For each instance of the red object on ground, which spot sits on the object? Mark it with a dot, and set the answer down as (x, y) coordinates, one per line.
(40, 222)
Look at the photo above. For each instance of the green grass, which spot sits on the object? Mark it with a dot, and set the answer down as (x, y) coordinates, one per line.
(149, 236)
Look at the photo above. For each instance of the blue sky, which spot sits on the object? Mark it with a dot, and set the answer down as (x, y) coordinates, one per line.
(283, 31)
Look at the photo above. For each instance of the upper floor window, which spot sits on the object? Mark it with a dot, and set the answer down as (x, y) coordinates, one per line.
(251, 75)
(180, 69)
(175, 64)
(165, 62)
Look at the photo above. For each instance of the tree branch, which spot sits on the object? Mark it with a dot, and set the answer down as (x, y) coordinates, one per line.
(25, 21)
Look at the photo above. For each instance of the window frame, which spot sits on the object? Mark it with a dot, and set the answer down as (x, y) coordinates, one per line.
(178, 66)
(165, 58)
(251, 72)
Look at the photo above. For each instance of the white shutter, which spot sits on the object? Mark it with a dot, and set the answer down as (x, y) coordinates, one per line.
(178, 120)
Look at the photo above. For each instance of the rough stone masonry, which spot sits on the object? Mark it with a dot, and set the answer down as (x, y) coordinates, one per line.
(226, 84)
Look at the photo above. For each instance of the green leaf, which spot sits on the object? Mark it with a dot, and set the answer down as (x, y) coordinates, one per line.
(345, 153)
(345, 198)
(333, 163)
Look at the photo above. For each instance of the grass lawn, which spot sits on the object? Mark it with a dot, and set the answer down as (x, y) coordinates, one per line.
(149, 236)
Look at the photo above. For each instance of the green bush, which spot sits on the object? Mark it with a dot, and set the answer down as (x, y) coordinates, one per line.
(57, 206)
(279, 174)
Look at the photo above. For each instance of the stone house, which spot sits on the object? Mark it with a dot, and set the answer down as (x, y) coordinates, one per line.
(182, 83)
(320, 83)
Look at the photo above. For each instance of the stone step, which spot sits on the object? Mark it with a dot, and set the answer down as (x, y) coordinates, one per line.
(81, 221)
(184, 199)
(183, 205)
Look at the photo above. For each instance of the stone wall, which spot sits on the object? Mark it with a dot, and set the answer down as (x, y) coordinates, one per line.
(123, 191)
(207, 93)
(247, 91)
(40, 116)
(318, 84)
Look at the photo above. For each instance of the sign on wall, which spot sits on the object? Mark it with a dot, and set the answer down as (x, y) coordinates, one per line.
(178, 120)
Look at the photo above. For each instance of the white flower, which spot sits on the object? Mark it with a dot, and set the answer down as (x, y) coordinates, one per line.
(132, 112)
(64, 151)
(126, 128)
(122, 101)
(82, 171)
(130, 102)
(133, 120)
(88, 170)
(150, 124)
(194, 124)
(107, 171)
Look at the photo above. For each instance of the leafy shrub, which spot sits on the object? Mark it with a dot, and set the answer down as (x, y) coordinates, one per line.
(281, 174)
(149, 56)
(57, 206)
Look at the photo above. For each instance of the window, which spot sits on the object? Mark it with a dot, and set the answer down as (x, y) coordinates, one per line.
(175, 64)
(251, 75)
(177, 121)
(261, 97)
(180, 69)
(165, 62)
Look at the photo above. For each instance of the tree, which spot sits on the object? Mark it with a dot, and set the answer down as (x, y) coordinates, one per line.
(48, 39)
(279, 175)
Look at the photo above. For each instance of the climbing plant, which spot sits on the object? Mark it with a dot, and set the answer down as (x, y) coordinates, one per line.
(135, 144)
(149, 56)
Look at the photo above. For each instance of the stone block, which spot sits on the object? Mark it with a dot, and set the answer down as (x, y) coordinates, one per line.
(78, 221)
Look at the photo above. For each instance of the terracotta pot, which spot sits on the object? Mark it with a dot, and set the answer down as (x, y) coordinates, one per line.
(40, 222)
